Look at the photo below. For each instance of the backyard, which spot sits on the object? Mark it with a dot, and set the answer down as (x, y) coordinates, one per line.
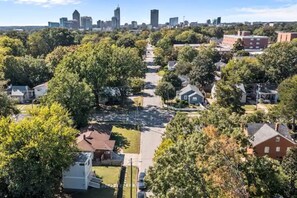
(127, 138)
(25, 108)
(110, 177)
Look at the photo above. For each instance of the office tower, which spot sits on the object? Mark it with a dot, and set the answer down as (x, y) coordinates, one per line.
(63, 22)
(214, 21)
(218, 20)
(117, 15)
(53, 24)
(100, 24)
(134, 24)
(86, 22)
(76, 16)
(208, 21)
(114, 22)
(155, 18)
(71, 24)
(173, 21)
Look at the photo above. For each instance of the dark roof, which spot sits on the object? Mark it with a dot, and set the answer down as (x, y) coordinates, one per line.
(82, 156)
(190, 88)
(260, 132)
(23, 89)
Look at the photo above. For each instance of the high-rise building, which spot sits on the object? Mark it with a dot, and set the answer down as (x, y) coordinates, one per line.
(208, 21)
(100, 24)
(117, 15)
(214, 21)
(155, 18)
(219, 20)
(134, 25)
(53, 24)
(63, 22)
(71, 24)
(86, 22)
(114, 22)
(173, 21)
(76, 16)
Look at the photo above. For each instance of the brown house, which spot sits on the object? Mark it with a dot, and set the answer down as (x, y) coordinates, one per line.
(272, 140)
(96, 139)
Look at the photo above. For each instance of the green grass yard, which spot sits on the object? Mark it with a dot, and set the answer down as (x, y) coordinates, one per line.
(250, 108)
(25, 108)
(127, 139)
(110, 177)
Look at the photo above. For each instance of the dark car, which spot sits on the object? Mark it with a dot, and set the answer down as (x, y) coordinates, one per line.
(141, 182)
(141, 194)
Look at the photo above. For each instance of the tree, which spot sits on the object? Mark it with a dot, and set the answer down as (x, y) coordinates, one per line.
(172, 78)
(183, 68)
(289, 164)
(155, 37)
(228, 95)
(25, 70)
(126, 40)
(136, 85)
(165, 90)
(187, 54)
(190, 37)
(279, 61)
(141, 46)
(34, 152)
(7, 106)
(11, 46)
(238, 46)
(288, 103)
(246, 70)
(56, 56)
(76, 96)
(203, 71)
(159, 57)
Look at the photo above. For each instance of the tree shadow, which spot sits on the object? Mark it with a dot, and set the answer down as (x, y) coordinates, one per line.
(121, 141)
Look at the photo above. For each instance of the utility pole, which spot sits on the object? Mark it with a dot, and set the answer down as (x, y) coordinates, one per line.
(131, 189)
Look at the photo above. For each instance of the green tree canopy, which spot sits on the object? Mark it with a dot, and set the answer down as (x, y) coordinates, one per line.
(7, 106)
(172, 78)
(165, 90)
(238, 46)
(74, 95)
(187, 54)
(11, 46)
(34, 152)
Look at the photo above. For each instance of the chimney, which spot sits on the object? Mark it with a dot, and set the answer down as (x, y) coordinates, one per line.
(276, 127)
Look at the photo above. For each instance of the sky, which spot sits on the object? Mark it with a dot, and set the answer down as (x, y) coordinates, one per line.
(39, 12)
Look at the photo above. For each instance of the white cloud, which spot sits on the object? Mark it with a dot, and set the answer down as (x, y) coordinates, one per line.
(285, 13)
(47, 3)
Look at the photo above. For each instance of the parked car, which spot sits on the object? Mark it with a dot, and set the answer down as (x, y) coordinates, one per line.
(141, 182)
(141, 194)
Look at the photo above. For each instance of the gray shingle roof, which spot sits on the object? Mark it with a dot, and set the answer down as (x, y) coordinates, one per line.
(260, 132)
(189, 88)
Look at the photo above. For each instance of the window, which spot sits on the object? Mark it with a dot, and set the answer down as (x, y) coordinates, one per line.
(195, 98)
(258, 43)
(277, 139)
(186, 97)
(266, 149)
(251, 47)
(257, 47)
(258, 39)
(277, 149)
(251, 43)
(252, 39)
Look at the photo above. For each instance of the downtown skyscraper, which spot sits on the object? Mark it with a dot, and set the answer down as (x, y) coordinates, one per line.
(155, 18)
(117, 18)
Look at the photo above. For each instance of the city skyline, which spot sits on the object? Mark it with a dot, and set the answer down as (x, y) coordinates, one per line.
(39, 12)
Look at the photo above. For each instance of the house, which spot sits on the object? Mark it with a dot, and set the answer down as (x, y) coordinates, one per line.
(267, 93)
(286, 36)
(191, 94)
(40, 90)
(96, 139)
(172, 65)
(19, 93)
(239, 86)
(79, 176)
(184, 79)
(269, 139)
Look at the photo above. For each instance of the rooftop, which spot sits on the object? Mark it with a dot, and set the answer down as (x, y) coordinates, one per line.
(83, 156)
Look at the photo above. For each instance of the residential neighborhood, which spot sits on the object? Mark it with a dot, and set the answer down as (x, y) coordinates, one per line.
(174, 110)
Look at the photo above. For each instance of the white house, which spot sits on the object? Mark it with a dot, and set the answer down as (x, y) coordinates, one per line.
(240, 86)
(79, 176)
(40, 90)
(19, 93)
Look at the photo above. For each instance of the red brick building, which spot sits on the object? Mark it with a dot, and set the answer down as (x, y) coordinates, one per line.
(286, 36)
(250, 42)
(272, 140)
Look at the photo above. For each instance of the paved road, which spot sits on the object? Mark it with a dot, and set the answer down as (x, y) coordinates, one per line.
(151, 135)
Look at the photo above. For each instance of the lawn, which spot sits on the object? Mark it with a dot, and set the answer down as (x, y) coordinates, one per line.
(250, 108)
(25, 108)
(127, 184)
(127, 139)
(110, 177)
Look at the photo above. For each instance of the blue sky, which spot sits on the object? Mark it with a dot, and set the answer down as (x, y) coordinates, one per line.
(39, 12)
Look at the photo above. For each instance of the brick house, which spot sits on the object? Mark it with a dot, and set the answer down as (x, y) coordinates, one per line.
(286, 36)
(272, 140)
(250, 42)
